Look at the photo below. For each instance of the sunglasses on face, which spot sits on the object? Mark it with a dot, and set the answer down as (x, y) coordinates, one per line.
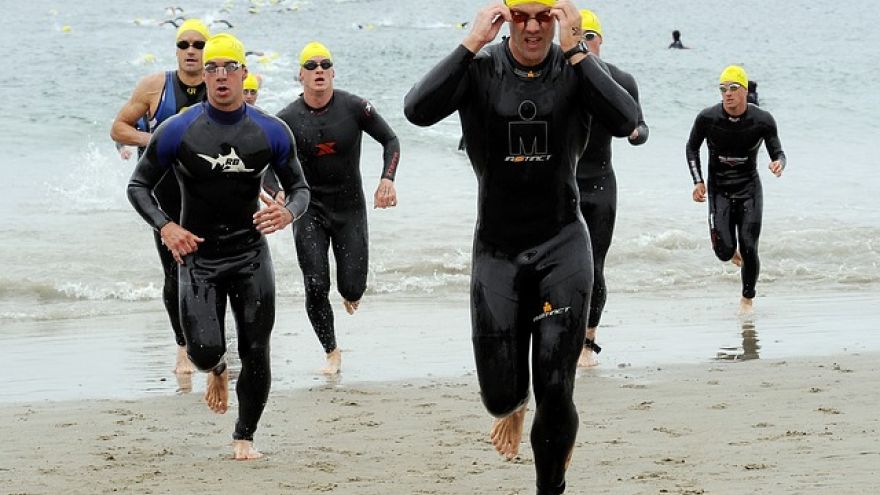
(227, 67)
(522, 18)
(590, 36)
(724, 88)
(183, 44)
(250, 91)
(312, 65)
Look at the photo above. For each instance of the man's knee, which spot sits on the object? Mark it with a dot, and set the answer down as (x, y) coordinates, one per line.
(501, 403)
(205, 357)
(724, 253)
(352, 291)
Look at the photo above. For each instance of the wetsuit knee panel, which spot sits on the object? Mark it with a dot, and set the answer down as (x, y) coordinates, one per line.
(204, 357)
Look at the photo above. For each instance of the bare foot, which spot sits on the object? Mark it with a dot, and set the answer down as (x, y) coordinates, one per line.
(351, 306)
(245, 451)
(507, 432)
(334, 362)
(184, 365)
(217, 391)
(588, 359)
(737, 259)
(745, 306)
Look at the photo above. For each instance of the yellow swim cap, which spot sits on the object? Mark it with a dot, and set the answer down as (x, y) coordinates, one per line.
(251, 82)
(313, 49)
(590, 22)
(514, 3)
(193, 25)
(224, 45)
(734, 73)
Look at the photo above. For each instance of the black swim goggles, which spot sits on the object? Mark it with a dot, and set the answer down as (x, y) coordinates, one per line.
(211, 67)
(724, 88)
(590, 35)
(183, 44)
(312, 65)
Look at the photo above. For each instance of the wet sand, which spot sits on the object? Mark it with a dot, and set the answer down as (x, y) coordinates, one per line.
(760, 426)
(783, 402)
(392, 339)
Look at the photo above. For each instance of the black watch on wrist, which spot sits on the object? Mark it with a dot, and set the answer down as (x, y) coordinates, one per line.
(581, 47)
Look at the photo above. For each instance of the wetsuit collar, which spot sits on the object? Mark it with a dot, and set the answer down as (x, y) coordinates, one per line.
(318, 110)
(734, 118)
(522, 71)
(223, 117)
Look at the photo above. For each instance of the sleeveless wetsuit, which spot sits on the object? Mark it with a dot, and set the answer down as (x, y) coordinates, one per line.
(220, 158)
(733, 184)
(175, 96)
(328, 141)
(598, 188)
(524, 130)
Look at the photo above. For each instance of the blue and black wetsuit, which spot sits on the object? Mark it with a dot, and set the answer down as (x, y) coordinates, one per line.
(329, 144)
(733, 184)
(524, 130)
(175, 96)
(598, 188)
(219, 159)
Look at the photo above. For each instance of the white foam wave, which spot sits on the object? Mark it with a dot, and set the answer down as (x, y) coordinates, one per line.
(95, 182)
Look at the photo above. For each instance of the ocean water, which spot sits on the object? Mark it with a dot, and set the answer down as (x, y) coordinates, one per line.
(72, 247)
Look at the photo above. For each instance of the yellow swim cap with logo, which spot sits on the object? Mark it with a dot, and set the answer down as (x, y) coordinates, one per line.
(193, 25)
(590, 22)
(734, 73)
(514, 3)
(314, 49)
(226, 46)
(251, 82)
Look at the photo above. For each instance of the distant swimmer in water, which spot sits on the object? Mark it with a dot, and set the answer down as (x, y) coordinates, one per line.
(222, 21)
(734, 131)
(220, 150)
(676, 40)
(173, 10)
(753, 93)
(328, 124)
(156, 98)
(174, 22)
(525, 106)
(252, 88)
(598, 187)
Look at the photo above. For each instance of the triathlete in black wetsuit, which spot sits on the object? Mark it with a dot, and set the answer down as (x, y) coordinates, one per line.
(734, 130)
(219, 151)
(598, 186)
(676, 40)
(328, 125)
(155, 99)
(525, 109)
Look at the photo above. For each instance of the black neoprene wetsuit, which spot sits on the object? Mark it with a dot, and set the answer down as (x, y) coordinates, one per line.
(733, 184)
(219, 159)
(329, 144)
(524, 129)
(598, 189)
(175, 96)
